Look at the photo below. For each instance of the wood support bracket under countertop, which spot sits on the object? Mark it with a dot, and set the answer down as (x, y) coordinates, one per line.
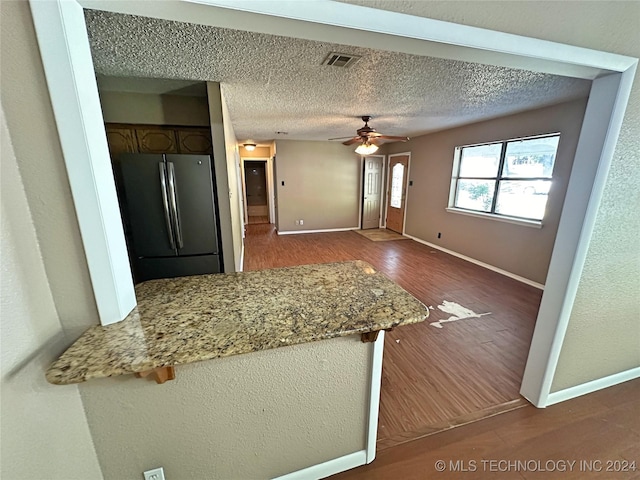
(370, 337)
(160, 374)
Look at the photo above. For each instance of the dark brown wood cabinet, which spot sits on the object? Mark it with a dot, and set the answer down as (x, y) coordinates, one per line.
(132, 138)
(156, 140)
(195, 141)
(121, 140)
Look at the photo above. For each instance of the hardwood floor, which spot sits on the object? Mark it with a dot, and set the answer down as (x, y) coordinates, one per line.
(598, 431)
(433, 378)
(257, 219)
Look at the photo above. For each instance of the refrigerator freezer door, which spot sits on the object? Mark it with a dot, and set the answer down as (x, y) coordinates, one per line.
(152, 268)
(148, 220)
(195, 203)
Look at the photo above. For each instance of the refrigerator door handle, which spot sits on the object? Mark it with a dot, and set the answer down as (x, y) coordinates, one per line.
(165, 203)
(173, 197)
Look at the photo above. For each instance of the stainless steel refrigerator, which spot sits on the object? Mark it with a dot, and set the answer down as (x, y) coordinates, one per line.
(168, 204)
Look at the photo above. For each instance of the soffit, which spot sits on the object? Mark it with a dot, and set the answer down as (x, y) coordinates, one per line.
(275, 83)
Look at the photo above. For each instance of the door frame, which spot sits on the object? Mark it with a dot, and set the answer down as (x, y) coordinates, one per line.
(269, 181)
(406, 188)
(363, 158)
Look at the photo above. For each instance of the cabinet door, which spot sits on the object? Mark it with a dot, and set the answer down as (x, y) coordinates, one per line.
(121, 140)
(195, 141)
(156, 140)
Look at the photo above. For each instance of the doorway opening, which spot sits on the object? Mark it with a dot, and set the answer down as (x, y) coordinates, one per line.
(258, 196)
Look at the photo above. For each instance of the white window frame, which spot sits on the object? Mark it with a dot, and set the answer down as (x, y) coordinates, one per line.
(493, 214)
(66, 57)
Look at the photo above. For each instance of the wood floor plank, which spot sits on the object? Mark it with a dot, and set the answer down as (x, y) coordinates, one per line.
(258, 219)
(598, 427)
(433, 378)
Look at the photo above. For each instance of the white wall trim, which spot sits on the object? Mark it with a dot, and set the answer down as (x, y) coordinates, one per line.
(361, 191)
(598, 137)
(241, 266)
(374, 395)
(593, 386)
(271, 191)
(244, 191)
(294, 232)
(326, 469)
(68, 67)
(499, 218)
(478, 262)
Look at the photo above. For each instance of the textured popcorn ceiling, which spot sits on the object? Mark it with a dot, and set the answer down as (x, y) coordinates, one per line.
(274, 83)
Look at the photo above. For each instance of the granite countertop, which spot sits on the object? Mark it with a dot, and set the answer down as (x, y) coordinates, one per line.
(189, 319)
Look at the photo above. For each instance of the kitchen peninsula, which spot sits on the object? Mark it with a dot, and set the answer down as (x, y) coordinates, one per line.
(266, 414)
(189, 319)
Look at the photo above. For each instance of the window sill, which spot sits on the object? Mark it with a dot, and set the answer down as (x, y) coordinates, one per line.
(499, 218)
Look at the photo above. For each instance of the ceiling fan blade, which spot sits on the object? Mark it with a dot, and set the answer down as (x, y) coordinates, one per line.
(395, 139)
(352, 141)
(339, 138)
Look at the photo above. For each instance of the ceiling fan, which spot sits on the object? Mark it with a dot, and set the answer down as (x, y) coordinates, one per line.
(368, 138)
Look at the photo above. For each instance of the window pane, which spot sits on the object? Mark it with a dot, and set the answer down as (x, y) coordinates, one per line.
(481, 161)
(397, 178)
(531, 158)
(523, 198)
(475, 194)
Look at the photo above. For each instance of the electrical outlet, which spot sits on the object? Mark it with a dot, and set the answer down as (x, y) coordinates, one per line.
(439, 235)
(301, 222)
(155, 474)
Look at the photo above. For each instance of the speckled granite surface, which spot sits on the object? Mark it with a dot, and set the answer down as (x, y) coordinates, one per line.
(189, 319)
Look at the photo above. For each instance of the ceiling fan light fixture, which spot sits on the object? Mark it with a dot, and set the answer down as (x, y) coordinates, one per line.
(366, 148)
(249, 147)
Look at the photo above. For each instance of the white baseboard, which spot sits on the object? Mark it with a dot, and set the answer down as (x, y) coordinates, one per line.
(326, 469)
(478, 262)
(593, 386)
(293, 232)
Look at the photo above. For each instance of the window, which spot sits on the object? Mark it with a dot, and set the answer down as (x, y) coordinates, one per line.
(508, 179)
(397, 177)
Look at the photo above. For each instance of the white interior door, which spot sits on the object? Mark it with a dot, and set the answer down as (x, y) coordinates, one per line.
(372, 192)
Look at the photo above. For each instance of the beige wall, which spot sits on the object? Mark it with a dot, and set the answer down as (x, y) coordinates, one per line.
(222, 177)
(253, 416)
(236, 196)
(125, 107)
(44, 429)
(259, 152)
(322, 185)
(518, 249)
(603, 334)
(35, 140)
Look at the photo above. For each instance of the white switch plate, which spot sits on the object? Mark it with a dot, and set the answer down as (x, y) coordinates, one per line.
(155, 474)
